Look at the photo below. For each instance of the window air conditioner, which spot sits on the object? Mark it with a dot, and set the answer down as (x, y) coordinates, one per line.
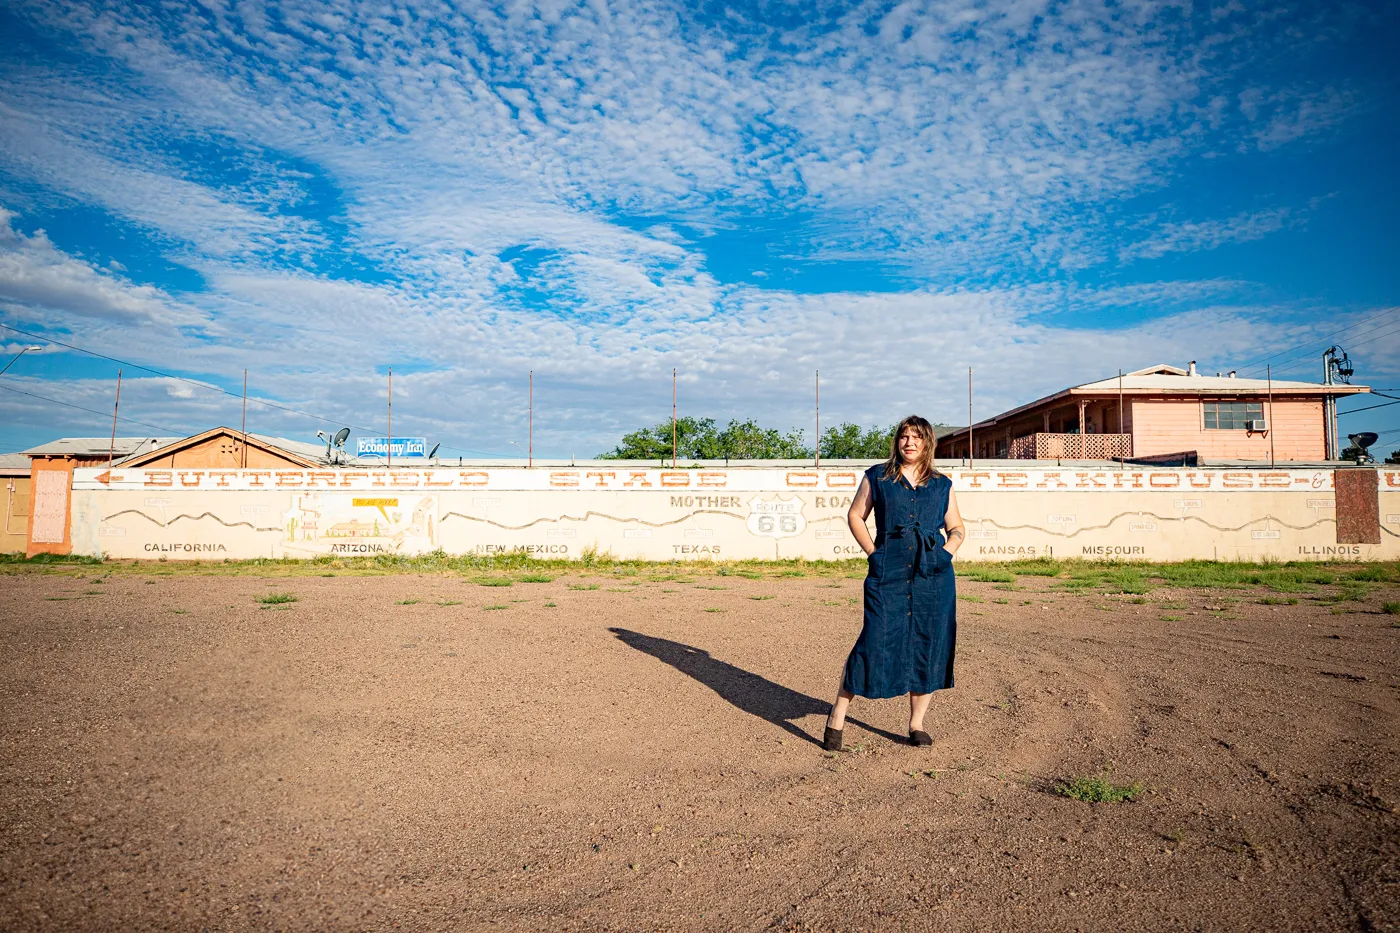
(1257, 424)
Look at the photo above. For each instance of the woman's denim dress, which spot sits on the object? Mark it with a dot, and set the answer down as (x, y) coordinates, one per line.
(906, 644)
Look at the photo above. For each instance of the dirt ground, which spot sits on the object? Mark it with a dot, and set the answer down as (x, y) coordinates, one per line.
(424, 753)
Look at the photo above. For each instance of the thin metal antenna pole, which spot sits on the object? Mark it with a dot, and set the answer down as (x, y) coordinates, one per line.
(1269, 374)
(531, 455)
(1121, 428)
(969, 417)
(244, 462)
(112, 447)
(673, 419)
(389, 445)
(819, 418)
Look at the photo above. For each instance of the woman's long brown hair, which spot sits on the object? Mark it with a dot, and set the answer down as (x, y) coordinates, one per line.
(921, 427)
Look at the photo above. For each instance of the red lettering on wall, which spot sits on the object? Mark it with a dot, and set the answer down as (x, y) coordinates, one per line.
(842, 481)
(603, 477)
(677, 478)
(472, 478)
(1090, 481)
(222, 475)
(1045, 482)
(195, 473)
(975, 479)
(1275, 481)
(1012, 481)
(255, 478)
(561, 478)
(1127, 480)
(1205, 480)
(637, 478)
(1237, 480)
(404, 478)
(1163, 480)
(712, 478)
(1392, 480)
(288, 478)
(428, 479)
(801, 479)
(349, 476)
(313, 477)
(159, 478)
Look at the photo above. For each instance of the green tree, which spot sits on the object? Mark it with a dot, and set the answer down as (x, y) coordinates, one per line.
(850, 441)
(699, 439)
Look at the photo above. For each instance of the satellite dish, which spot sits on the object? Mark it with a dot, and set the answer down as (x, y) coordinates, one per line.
(340, 436)
(433, 453)
(1364, 439)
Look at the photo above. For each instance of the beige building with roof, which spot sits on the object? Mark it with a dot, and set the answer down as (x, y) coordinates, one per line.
(1162, 412)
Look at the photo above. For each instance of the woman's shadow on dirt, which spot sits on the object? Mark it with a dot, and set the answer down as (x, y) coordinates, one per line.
(750, 692)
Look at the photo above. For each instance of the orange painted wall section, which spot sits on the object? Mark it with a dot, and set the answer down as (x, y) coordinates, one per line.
(50, 507)
(1166, 426)
(221, 453)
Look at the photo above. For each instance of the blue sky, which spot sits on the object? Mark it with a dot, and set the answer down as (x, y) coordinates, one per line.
(601, 192)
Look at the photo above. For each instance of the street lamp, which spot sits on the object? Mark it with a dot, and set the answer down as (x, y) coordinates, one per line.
(19, 354)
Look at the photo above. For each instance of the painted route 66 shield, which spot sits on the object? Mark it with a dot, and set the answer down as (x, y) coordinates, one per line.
(776, 518)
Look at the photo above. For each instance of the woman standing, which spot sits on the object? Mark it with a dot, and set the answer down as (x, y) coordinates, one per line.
(906, 644)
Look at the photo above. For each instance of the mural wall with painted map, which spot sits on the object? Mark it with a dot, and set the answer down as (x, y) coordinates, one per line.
(767, 513)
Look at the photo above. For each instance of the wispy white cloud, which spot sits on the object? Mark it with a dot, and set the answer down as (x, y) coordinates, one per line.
(1193, 236)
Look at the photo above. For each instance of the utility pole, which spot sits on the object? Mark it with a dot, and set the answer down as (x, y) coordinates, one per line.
(112, 448)
(389, 441)
(1122, 429)
(530, 462)
(1269, 374)
(673, 419)
(819, 418)
(969, 417)
(244, 426)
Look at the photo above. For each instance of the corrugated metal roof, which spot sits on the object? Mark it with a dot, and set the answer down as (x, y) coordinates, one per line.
(1199, 383)
(98, 446)
(14, 464)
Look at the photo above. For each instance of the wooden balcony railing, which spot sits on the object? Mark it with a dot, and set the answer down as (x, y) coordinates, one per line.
(1041, 446)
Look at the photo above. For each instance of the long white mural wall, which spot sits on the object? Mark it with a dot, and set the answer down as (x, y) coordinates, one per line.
(721, 514)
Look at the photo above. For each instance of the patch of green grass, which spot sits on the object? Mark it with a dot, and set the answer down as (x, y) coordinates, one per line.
(713, 609)
(1279, 601)
(583, 586)
(495, 606)
(988, 575)
(749, 575)
(1001, 602)
(408, 602)
(535, 578)
(621, 589)
(1097, 790)
(275, 599)
(1039, 567)
(1127, 580)
(180, 612)
(969, 598)
(494, 581)
(1137, 601)
(551, 605)
(1391, 609)
(762, 597)
(701, 586)
(1375, 573)
(449, 602)
(1077, 583)
(1171, 618)
(1353, 592)
(792, 573)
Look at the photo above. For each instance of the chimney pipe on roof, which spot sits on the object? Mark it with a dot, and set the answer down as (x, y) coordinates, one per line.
(1232, 374)
(1191, 368)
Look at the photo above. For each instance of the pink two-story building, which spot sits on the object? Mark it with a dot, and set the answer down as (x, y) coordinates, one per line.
(1164, 411)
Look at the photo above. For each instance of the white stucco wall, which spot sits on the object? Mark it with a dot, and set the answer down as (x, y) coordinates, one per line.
(767, 513)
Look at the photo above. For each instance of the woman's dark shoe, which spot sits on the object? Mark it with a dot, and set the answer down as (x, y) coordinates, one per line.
(832, 740)
(920, 738)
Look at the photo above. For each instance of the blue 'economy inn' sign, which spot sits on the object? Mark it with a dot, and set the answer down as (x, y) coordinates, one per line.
(405, 447)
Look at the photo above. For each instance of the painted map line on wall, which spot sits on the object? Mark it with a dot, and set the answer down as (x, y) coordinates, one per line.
(194, 518)
(1163, 518)
(590, 514)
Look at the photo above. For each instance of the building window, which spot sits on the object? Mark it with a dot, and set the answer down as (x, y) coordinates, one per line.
(1232, 416)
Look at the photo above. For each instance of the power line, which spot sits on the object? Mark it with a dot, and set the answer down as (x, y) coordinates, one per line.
(205, 385)
(1357, 411)
(1330, 336)
(1352, 340)
(92, 411)
(193, 382)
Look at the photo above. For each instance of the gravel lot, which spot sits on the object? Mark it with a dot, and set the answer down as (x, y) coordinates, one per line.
(598, 753)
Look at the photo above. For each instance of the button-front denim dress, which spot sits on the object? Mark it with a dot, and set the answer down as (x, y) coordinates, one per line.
(906, 644)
